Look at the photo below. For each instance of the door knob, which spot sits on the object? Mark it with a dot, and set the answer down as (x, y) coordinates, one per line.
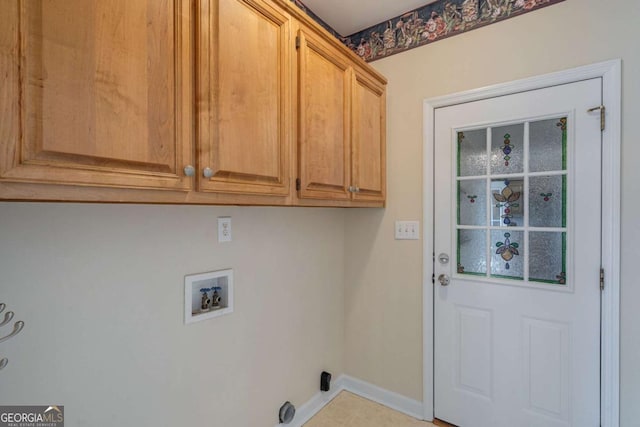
(443, 279)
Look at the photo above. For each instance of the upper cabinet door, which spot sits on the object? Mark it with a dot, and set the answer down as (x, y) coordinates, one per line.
(244, 90)
(368, 139)
(324, 84)
(96, 92)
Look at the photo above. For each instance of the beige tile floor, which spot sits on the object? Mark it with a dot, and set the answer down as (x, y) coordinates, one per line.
(349, 410)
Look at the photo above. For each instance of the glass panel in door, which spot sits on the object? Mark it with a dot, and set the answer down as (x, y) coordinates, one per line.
(512, 201)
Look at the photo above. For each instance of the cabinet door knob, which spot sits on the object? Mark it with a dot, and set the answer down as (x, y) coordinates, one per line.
(351, 189)
(189, 170)
(357, 189)
(207, 172)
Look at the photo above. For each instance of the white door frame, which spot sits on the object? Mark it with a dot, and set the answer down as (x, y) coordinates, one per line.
(610, 72)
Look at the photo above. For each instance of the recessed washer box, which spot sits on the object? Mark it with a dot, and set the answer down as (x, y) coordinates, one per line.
(208, 295)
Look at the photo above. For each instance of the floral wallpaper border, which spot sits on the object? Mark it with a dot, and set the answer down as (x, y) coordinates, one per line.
(430, 23)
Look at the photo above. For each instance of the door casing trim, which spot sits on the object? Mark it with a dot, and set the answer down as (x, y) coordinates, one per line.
(611, 74)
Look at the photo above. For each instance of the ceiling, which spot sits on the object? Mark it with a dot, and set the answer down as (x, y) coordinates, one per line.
(350, 16)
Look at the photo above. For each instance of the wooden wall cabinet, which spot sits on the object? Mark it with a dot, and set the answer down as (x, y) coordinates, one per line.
(341, 127)
(243, 97)
(324, 107)
(368, 138)
(93, 93)
(185, 101)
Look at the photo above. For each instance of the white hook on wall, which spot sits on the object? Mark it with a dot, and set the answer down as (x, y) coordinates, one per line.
(17, 327)
(7, 318)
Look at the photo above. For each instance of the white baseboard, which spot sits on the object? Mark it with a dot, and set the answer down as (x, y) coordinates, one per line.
(390, 399)
(361, 388)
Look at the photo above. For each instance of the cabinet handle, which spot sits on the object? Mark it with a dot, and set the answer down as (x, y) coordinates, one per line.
(351, 189)
(189, 170)
(207, 172)
(357, 189)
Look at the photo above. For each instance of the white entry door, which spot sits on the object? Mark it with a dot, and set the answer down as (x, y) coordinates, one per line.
(517, 238)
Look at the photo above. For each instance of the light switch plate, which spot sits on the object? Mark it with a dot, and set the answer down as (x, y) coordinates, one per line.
(224, 229)
(407, 230)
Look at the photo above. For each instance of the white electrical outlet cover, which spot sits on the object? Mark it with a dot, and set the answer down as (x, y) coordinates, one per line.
(224, 229)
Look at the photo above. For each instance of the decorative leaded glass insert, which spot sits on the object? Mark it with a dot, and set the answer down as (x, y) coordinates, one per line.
(507, 201)
(548, 145)
(507, 254)
(547, 259)
(507, 148)
(472, 202)
(520, 188)
(547, 201)
(472, 152)
(472, 247)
